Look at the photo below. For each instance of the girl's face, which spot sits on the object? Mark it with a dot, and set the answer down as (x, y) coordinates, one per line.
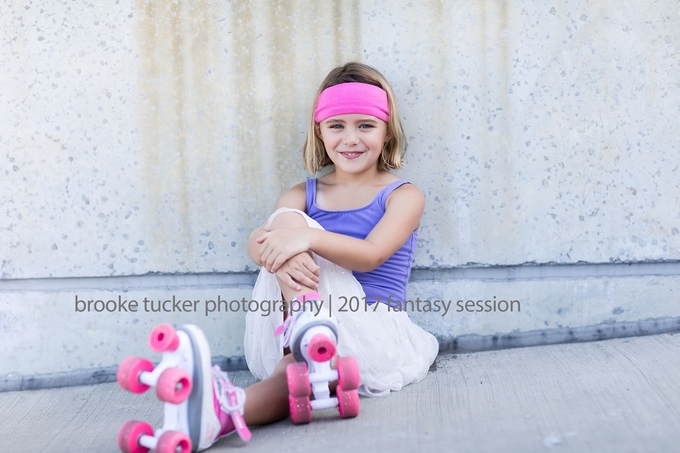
(353, 141)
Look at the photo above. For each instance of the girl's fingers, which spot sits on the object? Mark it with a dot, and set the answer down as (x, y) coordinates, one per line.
(264, 259)
(287, 280)
(308, 263)
(314, 269)
(267, 259)
(308, 270)
(309, 275)
(291, 283)
(269, 262)
(305, 280)
(278, 262)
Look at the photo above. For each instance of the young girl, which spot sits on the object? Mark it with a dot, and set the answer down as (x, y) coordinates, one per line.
(358, 218)
(349, 236)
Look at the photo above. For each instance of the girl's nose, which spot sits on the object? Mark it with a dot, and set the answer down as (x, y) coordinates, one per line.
(351, 137)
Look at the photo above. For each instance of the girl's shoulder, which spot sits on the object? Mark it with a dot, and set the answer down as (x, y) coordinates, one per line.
(407, 193)
(294, 198)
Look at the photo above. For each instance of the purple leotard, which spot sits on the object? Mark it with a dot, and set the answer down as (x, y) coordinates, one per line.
(386, 283)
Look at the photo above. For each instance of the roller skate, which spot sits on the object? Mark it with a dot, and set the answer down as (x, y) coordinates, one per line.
(201, 405)
(312, 340)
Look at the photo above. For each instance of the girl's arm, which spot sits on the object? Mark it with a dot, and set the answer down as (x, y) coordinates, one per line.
(299, 269)
(403, 211)
(254, 249)
(295, 198)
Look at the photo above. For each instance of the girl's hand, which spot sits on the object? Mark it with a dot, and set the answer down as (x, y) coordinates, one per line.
(299, 270)
(281, 245)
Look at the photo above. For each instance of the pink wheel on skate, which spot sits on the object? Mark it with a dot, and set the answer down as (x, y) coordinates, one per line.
(163, 338)
(129, 371)
(298, 379)
(173, 442)
(173, 386)
(300, 409)
(129, 434)
(348, 373)
(348, 402)
(321, 348)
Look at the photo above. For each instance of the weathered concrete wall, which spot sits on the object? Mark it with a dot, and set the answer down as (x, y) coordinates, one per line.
(144, 137)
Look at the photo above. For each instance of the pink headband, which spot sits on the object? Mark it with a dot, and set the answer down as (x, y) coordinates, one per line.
(352, 97)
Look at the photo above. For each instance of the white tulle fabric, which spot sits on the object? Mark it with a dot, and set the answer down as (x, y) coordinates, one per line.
(391, 350)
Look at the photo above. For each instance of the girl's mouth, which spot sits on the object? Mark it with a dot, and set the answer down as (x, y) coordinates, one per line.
(351, 154)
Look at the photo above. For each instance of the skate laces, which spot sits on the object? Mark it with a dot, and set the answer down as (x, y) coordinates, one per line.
(231, 400)
(287, 327)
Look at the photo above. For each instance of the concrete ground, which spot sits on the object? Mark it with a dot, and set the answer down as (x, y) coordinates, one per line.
(619, 395)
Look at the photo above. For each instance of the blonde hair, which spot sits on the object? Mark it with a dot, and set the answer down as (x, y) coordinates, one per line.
(314, 156)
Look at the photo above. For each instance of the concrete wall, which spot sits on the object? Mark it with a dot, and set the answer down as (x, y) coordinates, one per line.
(142, 141)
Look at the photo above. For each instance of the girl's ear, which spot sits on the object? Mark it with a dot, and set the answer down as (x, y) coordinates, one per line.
(388, 136)
(317, 130)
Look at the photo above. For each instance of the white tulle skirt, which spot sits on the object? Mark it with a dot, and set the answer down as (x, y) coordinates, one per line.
(391, 350)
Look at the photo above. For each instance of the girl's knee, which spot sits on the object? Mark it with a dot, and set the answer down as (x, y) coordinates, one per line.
(288, 220)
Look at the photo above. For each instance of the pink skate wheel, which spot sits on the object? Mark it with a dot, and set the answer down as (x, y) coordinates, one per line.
(348, 402)
(321, 348)
(348, 373)
(298, 379)
(163, 338)
(129, 434)
(300, 409)
(173, 442)
(173, 386)
(128, 374)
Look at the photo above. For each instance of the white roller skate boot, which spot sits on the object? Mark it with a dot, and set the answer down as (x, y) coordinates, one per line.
(312, 338)
(201, 405)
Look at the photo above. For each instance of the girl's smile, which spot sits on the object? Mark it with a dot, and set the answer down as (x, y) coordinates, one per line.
(351, 154)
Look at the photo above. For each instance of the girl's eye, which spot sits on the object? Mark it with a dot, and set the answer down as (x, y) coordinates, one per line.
(366, 126)
(335, 126)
